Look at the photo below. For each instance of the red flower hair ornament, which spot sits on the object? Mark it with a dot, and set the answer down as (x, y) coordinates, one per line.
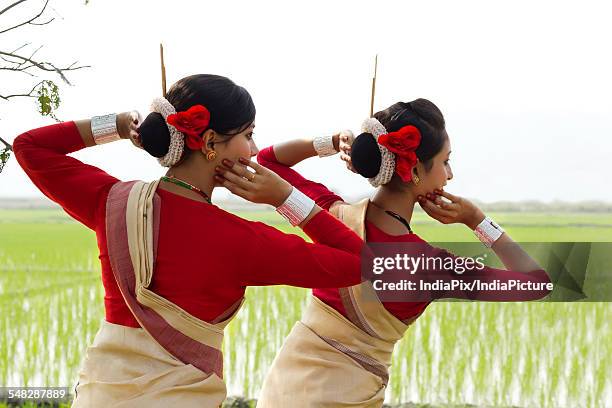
(403, 143)
(192, 123)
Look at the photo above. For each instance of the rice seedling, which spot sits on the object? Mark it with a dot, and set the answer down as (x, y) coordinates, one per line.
(491, 354)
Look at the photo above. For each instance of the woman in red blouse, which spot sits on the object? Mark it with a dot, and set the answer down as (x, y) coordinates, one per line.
(339, 353)
(175, 266)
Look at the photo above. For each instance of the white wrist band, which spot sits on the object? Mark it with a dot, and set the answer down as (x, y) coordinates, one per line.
(324, 145)
(296, 207)
(104, 129)
(488, 231)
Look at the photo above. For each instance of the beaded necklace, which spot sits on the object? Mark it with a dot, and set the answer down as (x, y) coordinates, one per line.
(184, 184)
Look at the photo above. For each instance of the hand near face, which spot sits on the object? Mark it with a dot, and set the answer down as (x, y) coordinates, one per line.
(453, 210)
(253, 182)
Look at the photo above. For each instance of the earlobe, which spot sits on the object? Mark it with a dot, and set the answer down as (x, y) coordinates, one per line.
(415, 176)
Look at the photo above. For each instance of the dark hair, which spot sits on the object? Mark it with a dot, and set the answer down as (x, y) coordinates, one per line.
(231, 110)
(420, 113)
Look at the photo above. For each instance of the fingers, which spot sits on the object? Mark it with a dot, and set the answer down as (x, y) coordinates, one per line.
(135, 118)
(134, 124)
(259, 169)
(448, 195)
(346, 140)
(432, 209)
(349, 163)
(135, 138)
(434, 215)
(236, 174)
(440, 202)
(234, 188)
(427, 209)
(239, 169)
(347, 136)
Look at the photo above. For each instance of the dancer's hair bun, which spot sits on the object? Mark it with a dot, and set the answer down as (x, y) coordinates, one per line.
(365, 155)
(154, 135)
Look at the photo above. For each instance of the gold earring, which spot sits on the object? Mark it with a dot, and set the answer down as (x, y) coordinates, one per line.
(416, 179)
(212, 155)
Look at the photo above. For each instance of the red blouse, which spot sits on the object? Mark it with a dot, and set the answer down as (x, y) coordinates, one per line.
(402, 310)
(206, 256)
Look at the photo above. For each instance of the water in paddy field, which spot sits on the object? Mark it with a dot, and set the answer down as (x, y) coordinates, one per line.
(489, 354)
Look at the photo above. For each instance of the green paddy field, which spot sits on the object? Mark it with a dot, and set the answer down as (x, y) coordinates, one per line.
(538, 354)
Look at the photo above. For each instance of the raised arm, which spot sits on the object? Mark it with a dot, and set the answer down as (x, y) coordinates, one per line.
(280, 157)
(535, 278)
(79, 188)
(277, 258)
(333, 260)
(294, 151)
(448, 208)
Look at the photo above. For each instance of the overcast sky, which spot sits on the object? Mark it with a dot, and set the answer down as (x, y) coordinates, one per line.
(525, 85)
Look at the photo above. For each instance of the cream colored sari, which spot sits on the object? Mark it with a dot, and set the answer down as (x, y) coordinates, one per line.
(331, 361)
(174, 359)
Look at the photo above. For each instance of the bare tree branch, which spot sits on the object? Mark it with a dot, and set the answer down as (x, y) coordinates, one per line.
(25, 60)
(18, 66)
(22, 70)
(18, 48)
(11, 6)
(45, 66)
(8, 60)
(45, 23)
(29, 94)
(28, 21)
(7, 144)
(32, 54)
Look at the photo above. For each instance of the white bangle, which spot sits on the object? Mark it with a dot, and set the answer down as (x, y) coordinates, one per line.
(296, 207)
(488, 231)
(324, 145)
(104, 129)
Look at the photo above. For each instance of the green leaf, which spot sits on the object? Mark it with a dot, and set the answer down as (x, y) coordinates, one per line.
(4, 156)
(48, 98)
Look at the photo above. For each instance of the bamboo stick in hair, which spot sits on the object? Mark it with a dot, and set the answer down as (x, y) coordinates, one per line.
(373, 86)
(163, 69)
